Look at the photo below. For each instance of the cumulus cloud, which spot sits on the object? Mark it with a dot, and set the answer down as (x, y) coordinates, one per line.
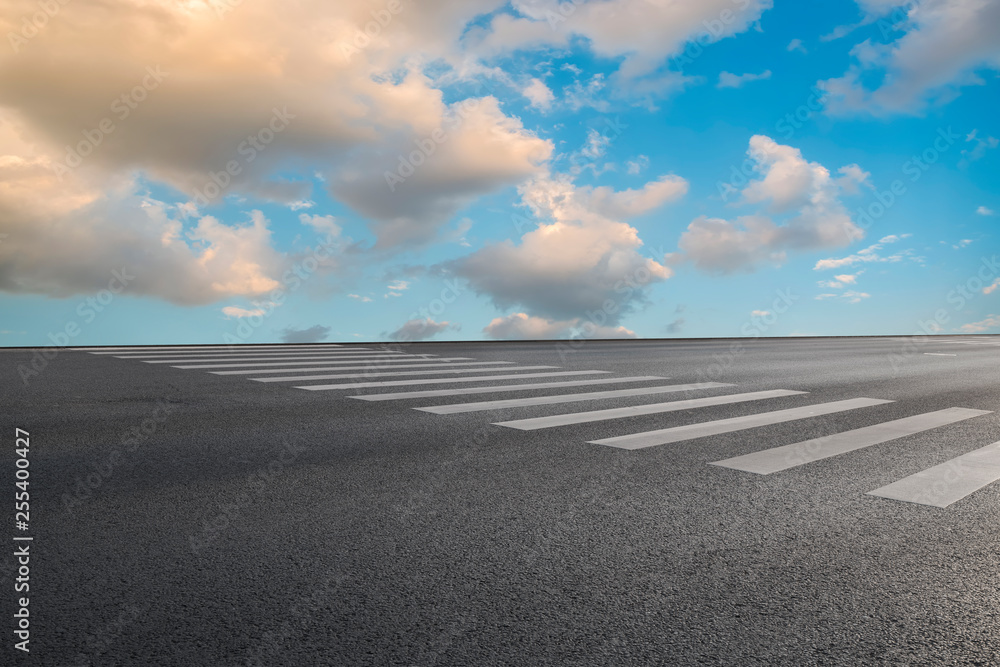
(261, 103)
(521, 326)
(802, 191)
(421, 329)
(69, 237)
(982, 210)
(729, 80)
(413, 185)
(578, 260)
(538, 94)
(313, 334)
(643, 34)
(944, 43)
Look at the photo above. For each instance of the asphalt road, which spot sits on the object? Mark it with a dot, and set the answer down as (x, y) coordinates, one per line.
(182, 517)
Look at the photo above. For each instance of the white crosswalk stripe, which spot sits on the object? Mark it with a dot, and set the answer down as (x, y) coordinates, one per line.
(656, 408)
(700, 430)
(271, 364)
(436, 393)
(254, 355)
(456, 408)
(949, 482)
(776, 459)
(199, 348)
(330, 366)
(435, 371)
(311, 357)
(382, 368)
(374, 368)
(405, 383)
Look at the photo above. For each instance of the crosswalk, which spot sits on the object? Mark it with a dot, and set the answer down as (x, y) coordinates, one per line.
(378, 374)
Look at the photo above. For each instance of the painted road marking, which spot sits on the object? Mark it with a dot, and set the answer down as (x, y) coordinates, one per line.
(656, 408)
(692, 431)
(372, 368)
(456, 408)
(272, 364)
(939, 354)
(485, 378)
(380, 363)
(434, 393)
(310, 357)
(351, 376)
(790, 456)
(949, 482)
(198, 348)
(252, 354)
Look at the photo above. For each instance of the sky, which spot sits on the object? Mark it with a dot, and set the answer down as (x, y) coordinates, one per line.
(219, 171)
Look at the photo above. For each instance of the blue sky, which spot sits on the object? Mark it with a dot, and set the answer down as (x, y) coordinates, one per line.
(491, 170)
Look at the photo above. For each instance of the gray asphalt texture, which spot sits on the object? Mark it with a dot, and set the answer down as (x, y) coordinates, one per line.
(256, 523)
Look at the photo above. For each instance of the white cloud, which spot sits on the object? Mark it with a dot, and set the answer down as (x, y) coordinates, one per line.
(521, 326)
(962, 244)
(945, 43)
(480, 150)
(729, 80)
(760, 313)
(313, 334)
(578, 261)
(796, 45)
(345, 118)
(237, 312)
(358, 297)
(991, 322)
(804, 191)
(979, 147)
(538, 94)
(644, 34)
(989, 289)
(865, 255)
(637, 165)
(850, 296)
(982, 210)
(421, 329)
